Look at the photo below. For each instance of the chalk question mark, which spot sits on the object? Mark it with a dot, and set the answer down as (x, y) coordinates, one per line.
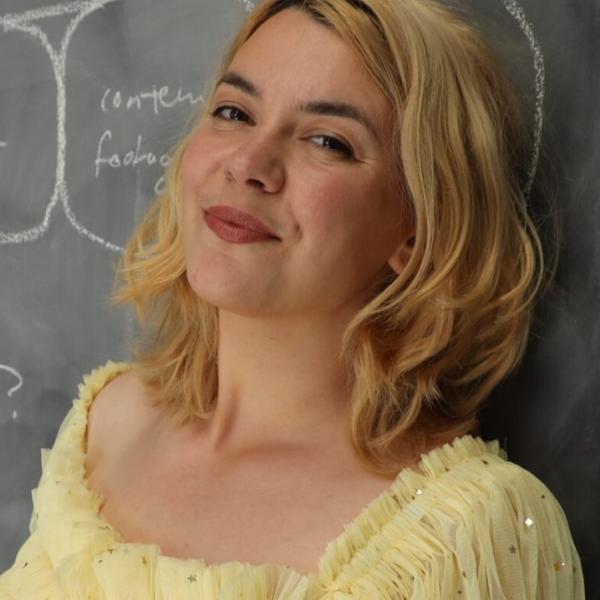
(12, 371)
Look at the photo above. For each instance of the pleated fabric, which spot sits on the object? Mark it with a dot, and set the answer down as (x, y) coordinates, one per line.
(472, 526)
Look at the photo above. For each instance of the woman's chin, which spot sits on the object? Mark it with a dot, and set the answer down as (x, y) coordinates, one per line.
(230, 298)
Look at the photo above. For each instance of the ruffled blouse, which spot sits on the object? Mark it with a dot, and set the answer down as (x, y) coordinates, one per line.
(471, 525)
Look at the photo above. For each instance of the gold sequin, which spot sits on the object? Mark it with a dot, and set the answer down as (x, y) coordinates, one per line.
(25, 565)
(111, 550)
(464, 574)
(419, 492)
(558, 565)
(528, 522)
(144, 561)
(191, 578)
(543, 496)
(512, 549)
(485, 462)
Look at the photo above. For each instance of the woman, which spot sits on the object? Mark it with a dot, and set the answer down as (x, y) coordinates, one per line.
(341, 270)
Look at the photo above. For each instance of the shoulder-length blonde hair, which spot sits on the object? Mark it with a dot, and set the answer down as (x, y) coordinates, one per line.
(428, 348)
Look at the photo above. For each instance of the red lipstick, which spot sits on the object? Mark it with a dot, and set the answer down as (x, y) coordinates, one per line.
(238, 227)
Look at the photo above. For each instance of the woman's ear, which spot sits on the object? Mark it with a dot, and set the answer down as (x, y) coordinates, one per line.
(401, 256)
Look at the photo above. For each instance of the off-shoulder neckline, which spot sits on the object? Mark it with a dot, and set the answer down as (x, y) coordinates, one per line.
(407, 487)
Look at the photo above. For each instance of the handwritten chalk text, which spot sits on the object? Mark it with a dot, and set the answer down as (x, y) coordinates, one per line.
(161, 98)
(132, 158)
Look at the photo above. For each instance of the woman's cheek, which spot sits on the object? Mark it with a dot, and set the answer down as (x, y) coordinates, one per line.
(327, 203)
(192, 153)
(189, 166)
(201, 156)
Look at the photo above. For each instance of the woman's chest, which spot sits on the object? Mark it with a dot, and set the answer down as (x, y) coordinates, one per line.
(261, 514)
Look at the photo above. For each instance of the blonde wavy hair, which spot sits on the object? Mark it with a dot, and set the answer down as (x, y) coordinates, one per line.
(429, 347)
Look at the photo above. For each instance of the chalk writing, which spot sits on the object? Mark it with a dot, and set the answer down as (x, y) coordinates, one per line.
(158, 98)
(132, 158)
(115, 100)
(17, 375)
(3, 144)
(248, 5)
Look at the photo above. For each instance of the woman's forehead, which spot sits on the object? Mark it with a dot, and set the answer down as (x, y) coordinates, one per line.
(293, 37)
(293, 52)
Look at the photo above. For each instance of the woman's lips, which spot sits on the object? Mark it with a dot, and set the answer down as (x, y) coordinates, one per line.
(233, 233)
(240, 219)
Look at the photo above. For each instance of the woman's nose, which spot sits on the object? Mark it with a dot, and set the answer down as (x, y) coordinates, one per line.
(257, 162)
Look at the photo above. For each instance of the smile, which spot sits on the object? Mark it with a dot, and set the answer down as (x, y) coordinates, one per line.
(235, 234)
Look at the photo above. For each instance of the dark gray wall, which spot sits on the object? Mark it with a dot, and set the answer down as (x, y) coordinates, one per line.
(130, 76)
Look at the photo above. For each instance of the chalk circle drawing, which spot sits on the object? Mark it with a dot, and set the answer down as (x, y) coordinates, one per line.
(516, 11)
(25, 22)
(17, 375)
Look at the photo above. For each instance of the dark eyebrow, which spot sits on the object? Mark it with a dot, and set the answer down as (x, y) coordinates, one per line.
(319, 107)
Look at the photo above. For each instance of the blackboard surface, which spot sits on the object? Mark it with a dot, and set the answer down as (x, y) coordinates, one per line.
(93, 96)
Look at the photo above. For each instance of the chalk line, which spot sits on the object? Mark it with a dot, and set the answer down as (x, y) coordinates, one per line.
(12, 20)
(248, 5)
(14, 372)
(22, 22)
(516, 11)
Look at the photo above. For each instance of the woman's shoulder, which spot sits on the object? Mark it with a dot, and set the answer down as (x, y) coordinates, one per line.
(116, 409)
(497, 520)
(479, 471)
(472, 482)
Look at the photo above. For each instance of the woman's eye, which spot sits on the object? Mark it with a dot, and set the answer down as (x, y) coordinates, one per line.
(232, 113)
(229, 113)
(334, 145)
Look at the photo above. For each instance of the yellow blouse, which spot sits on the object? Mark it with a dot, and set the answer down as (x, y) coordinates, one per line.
(472, 526)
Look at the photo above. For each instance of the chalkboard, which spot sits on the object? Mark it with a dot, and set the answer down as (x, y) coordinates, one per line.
(94, 94)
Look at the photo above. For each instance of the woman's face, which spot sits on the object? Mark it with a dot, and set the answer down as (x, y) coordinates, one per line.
(278, 147)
